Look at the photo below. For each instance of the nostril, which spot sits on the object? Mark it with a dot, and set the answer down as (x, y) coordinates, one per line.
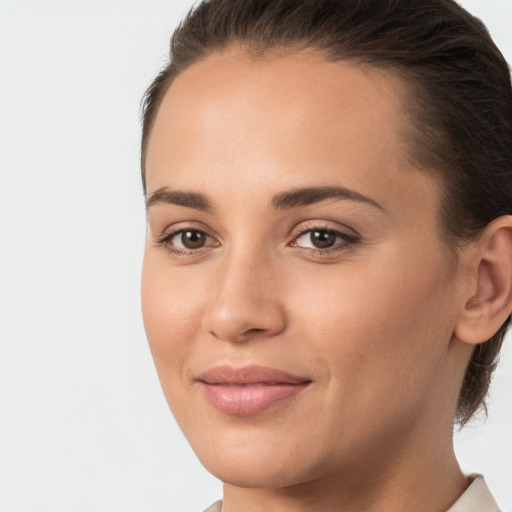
(229, 319)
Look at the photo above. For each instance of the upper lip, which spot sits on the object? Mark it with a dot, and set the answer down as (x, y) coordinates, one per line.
(253, 374)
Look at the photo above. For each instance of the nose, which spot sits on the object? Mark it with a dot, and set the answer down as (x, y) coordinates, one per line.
(245, 301)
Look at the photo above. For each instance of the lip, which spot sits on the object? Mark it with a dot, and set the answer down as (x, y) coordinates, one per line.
(249, 390)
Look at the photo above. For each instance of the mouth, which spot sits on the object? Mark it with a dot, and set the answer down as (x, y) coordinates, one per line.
(249, 390)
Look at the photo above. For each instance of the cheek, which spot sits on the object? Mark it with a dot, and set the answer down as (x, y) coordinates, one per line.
(171, 313)
(374, 326)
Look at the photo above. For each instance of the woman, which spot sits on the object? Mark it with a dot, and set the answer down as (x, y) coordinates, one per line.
(328, 270)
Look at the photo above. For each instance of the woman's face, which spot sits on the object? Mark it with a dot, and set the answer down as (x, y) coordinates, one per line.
(286, 230)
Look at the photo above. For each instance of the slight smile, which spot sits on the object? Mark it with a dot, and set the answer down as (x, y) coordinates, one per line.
(249, 390)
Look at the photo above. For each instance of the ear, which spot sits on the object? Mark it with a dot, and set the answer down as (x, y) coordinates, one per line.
(489, 300)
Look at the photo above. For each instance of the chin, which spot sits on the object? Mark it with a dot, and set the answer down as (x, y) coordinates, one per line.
(254, 469)
(264, 476)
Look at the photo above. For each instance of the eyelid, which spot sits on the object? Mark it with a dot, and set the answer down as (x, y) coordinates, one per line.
(349, 236)
(322, 225)
(171, 231)
(185, 226)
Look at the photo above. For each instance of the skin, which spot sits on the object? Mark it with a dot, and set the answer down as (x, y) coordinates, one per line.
(374, 323)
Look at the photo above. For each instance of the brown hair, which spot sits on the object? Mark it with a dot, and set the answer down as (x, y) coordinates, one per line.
(459, 99)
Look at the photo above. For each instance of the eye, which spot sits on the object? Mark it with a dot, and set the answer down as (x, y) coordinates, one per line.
(186, 241)
(319, 239)
(324, 240)
(189, 239)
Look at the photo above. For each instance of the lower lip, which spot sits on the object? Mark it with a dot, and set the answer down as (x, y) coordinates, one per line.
(247, 400)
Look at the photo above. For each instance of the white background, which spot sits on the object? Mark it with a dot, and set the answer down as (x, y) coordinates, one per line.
(83, 423)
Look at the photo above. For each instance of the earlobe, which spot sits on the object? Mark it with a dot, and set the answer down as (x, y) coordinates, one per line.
(490, 302)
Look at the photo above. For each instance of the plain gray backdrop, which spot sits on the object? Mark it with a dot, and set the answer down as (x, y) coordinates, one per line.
(83, 422)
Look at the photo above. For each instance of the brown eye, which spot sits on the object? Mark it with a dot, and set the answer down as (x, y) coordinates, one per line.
(187, 242)
(192, 239)
(322, 239)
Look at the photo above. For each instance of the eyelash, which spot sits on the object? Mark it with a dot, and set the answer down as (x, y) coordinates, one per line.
(347, 241)
(167, 237)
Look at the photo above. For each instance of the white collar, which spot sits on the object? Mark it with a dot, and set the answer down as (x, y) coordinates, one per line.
(477, 498)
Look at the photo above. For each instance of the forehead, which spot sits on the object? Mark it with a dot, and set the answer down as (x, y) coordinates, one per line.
(216, 103)
(241, 129)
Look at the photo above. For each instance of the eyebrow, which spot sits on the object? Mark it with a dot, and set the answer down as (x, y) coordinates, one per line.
(282, 201)
(180, 198)
(311, 195)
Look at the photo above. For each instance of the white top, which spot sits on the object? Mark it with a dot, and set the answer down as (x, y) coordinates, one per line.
(476, 498)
